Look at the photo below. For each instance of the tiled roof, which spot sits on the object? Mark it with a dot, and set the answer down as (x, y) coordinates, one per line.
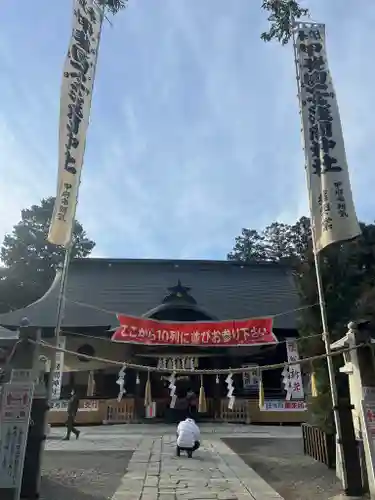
(225, 289)
(6, 334)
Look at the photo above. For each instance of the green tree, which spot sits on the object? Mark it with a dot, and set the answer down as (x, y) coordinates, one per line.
(113, 6)
(348, 274)
(281, 14)
(277, 242)
(30, 262)
(248, 247)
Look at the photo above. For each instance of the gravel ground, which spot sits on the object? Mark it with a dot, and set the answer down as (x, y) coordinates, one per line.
(282, 464)
(82, 475)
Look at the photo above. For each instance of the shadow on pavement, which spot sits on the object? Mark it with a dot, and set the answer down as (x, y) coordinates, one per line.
(72, 475)
(52, 490)
(282, 463)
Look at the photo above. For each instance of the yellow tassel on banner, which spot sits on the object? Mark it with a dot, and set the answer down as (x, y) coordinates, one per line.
(148, 397)
(261, 391)
(202, 404)
(314, 390)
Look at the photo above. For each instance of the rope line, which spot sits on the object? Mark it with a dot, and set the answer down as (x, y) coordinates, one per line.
(224, 371)
(109, 311)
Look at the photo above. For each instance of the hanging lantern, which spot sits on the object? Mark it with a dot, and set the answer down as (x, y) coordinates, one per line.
(121, 383)
(137, 380)
(148, 397)
(217, 379)
(202, 403)
(172, 390)
(230, 390)
(261, 390)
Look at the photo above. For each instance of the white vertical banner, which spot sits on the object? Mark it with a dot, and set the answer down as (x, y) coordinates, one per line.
(332, 208)
(292, 376)
(16, 402)
(59, 370)
(75, 105)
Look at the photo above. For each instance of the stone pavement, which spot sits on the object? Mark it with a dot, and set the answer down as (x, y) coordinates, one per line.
(214, 473)
(154, 472)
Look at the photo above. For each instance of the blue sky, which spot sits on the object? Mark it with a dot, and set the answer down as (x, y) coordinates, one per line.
(194, 130)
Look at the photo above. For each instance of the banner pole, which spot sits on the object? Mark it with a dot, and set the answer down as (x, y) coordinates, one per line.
(69, 247)
(322, 305)
(59, 316)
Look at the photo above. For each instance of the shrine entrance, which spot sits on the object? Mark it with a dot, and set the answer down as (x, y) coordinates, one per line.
(180, 306)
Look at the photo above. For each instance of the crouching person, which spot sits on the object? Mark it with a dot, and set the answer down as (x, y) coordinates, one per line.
(188, 437)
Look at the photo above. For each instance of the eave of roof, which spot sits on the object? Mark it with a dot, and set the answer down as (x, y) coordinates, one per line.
(96, 287)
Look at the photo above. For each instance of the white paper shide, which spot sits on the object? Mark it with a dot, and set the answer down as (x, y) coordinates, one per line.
(332, 208)
(75, 104)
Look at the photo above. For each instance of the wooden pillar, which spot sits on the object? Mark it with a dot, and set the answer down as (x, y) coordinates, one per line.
(90, 384)
(99, 384)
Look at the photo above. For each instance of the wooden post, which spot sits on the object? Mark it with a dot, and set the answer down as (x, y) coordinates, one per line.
(355, 443)
(363, 375)
(26, 358)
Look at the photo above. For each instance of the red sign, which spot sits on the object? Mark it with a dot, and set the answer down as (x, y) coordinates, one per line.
(256, 331)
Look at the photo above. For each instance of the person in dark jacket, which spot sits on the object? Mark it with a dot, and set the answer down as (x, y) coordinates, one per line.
(192, 403)
(72, 412)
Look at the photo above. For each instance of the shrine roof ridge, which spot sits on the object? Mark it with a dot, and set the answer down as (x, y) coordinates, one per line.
(98, 288)
(209, 262)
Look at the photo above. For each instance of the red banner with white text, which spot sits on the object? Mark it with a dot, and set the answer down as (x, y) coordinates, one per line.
(254, 331)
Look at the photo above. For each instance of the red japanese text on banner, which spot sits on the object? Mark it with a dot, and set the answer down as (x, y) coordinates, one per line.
(255, 331)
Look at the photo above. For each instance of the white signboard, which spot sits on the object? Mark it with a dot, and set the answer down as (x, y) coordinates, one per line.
(62, 405)
(367, 412)
(58, 373)
(369, 405)
(331, 202)
(75, 105)
(281, 405)
(292, 376)
(150, 410)
(36, 376)
(16, 404)
(20, 376)
(250, 378)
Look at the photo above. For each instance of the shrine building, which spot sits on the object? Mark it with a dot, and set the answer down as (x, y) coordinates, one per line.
(168, 291)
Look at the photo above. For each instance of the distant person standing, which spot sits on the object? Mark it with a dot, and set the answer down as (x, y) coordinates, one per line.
(72, 412)
(192, 403)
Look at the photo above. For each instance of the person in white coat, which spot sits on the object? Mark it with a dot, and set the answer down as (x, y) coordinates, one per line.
(188, 437)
